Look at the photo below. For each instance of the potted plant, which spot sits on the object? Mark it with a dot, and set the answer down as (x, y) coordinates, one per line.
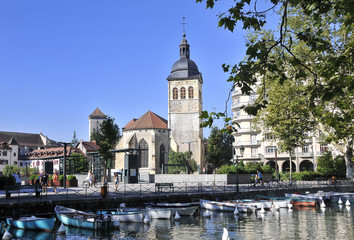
(71, 181)
(50, 180)
(33, 178)
(61, 177)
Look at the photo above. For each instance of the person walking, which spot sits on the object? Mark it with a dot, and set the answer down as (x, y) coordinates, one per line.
(260, 177)
(116, 181)
(44, 181)
(55, 181)
(89, 177)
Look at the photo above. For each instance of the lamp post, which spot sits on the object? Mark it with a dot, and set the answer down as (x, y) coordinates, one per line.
(242, 149)
(276, 165)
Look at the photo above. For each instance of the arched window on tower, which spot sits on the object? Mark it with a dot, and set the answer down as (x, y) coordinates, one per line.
(175, 93)
(162, 155)
(183, 93)
(190, 92)
(144, 153)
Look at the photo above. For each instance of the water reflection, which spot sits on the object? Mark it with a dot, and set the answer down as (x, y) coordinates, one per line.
(332, 222)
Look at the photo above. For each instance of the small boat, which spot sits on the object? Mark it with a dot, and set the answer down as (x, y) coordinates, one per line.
(123, 215)
(226, 206)
(81, 219)
(183, 209)
(258, 204)
(32, 223)
(18, 233)
(158, 213)
(282, 202)
(303, 202)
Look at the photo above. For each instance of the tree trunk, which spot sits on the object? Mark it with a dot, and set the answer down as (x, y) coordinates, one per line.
(348, 155)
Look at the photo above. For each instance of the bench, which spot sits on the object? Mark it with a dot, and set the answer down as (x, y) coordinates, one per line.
(22, 188)
(160, 186)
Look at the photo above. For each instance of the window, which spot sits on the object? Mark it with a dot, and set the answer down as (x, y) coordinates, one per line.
(323, 148)
(254, 152)
(190, 92)
(254, 139)
(305, 148)
(183, 93)
(175, 93)
(270, 150)
(4, 153)
(162, 155)
(144, 153)
(238, 113)
(269, 136)
(14, 154)
(252, 98)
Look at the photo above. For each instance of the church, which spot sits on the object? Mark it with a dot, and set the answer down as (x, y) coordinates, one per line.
(152, 135)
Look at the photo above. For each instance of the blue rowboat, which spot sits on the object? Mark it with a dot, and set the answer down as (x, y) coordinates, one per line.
(81, 219)
(32, 223)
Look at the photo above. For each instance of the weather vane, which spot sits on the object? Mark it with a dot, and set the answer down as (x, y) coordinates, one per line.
(184, 30)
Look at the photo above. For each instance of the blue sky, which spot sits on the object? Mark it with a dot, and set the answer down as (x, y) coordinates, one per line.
(59, 60)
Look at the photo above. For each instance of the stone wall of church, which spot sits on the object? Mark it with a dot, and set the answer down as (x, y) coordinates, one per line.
(154, 138)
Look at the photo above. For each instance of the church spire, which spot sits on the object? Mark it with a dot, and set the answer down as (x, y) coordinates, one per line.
(184, 46)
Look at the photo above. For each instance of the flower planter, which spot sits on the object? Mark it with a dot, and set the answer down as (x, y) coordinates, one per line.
(71, 183)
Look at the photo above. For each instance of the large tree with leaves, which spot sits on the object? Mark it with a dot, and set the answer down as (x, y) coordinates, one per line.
(315, 42)
(219, 148)
(106, 138)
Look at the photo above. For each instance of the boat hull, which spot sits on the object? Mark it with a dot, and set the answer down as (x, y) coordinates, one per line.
(159, 213)
(183, 209)
(45, 224)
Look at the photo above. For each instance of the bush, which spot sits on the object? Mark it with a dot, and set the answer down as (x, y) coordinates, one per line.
(226, 169)
(267, 169)
(4, 180)
(61, 177)
(34, 177)
(71, 177)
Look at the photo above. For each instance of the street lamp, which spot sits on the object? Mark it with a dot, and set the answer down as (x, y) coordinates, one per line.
(276, 164)
(242, 149)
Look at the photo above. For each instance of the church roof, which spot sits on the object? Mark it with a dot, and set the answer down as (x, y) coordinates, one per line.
(149, 120)
(97, 113)
(184, 67)
(22, 139)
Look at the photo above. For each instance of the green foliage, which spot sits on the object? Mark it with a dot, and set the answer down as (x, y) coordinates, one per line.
(77, 163)
(70, 177)
(6, 180)
(252, 167)
(180, 158)
(106, 138)
(34, 177)
(226, 169)
(313, 47)
(267, 169)
(219, 148)
(329, 166)
(61, 177)
(29, 170)
(10, 169)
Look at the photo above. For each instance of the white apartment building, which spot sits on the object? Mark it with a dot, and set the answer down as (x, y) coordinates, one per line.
(259, 146)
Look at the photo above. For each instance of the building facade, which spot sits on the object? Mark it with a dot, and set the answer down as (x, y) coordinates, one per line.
(185, 104)
(260, 146)
(150, 136)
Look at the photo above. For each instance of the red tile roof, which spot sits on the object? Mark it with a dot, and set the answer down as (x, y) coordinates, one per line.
(90, 146)
(149, 120)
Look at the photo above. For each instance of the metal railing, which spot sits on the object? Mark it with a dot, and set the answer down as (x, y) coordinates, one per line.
(148, 189)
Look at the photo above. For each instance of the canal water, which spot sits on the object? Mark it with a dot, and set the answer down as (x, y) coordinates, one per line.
(335, 222)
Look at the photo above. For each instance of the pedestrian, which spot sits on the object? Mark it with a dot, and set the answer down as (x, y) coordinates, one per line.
(89, 177)
(116, 181)
(259, 176)
(44, 181)
(55, 181)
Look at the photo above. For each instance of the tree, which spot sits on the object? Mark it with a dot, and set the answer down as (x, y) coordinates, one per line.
(77, 163)
(219, 148)
(181, 158)
(329, 166)
(315, 41)
(10, 169)
(106, 138)
(75, 141)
